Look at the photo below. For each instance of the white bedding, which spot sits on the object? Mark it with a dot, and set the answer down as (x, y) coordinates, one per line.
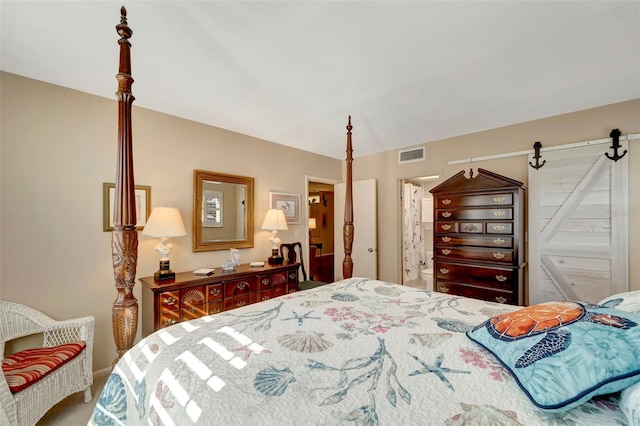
(359, 351)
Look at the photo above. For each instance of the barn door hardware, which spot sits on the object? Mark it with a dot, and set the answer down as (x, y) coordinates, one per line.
(615, 134)
(537, 156)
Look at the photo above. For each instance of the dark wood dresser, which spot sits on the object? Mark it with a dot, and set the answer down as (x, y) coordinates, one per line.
(479, 237)
(191, 296)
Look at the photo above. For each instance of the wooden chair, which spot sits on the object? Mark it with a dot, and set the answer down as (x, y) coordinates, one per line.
(27, 393)
(292, 256)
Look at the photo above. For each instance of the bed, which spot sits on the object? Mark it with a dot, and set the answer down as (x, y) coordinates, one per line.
(368, 352)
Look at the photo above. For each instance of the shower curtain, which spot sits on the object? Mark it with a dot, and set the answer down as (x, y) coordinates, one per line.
(412, 239)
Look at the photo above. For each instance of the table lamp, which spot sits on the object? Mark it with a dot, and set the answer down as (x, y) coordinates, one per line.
(312, 225)
(164, 222)
(275, 221)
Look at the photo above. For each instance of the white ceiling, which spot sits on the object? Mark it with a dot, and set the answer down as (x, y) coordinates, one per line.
(291, 72)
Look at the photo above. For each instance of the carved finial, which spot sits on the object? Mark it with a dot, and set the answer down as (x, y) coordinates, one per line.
(470, 173)
(122, 28)
(349, 126)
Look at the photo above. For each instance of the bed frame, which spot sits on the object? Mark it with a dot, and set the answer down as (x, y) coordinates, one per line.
(124, 243)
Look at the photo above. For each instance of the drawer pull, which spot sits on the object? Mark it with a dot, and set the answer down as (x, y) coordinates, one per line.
(498, 241)
(499, 213)
(241, 286)
(446, 227)
(501, 299)
(444, 271)
(214, 291)
(168, 322)
(266, 281)
(446, 201)
(170, 300)
(498, 255)
(446, 239)
(241, 303)
(444, 289)
(501, 278)
(265, 298)
(499, 199)
(214, 311)
(470, 227)
(498, 227)
(446, 214)
(292, 275)
(193, 309)
(446, 252)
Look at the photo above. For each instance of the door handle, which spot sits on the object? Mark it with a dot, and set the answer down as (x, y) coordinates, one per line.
(370, 250)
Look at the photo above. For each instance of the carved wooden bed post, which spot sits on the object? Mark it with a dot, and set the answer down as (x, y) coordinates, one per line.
(124, 243)
(347, 231)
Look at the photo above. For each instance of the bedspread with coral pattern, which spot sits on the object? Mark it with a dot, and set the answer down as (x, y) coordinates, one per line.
(358, 351)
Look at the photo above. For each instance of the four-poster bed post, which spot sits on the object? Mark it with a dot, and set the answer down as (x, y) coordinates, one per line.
(347, 230)
(124, 243)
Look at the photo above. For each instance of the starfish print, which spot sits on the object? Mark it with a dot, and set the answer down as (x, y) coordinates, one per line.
(300, 318)
(248, 350)
(436, 369)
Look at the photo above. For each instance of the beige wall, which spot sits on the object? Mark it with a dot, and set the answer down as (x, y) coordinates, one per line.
(59, 146)
(575, 127)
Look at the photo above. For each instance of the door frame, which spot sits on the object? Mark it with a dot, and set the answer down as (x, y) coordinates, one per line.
(309, 178)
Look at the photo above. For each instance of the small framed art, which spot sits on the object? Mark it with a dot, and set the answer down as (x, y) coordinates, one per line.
(289, 203)
(143, 205)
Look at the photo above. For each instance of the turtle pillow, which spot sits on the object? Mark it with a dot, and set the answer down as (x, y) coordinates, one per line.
(563, 353)
(628, 301)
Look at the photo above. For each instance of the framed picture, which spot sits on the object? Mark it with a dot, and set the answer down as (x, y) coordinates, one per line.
(143, 205)
(289, 203)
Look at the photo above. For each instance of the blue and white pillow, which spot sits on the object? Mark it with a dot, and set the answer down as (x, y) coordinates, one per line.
(628, 301)
(563, 353)
(630, 404)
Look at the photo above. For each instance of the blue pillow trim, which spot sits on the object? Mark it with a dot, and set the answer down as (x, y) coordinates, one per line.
(566, 401)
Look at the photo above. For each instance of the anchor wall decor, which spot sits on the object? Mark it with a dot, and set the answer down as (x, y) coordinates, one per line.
(537, 156)
(615, 134)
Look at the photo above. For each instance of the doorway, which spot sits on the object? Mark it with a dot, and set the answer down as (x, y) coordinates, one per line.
(416, 216)
(320, 202)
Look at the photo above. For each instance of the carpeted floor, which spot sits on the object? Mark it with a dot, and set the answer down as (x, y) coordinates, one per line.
(72, 411)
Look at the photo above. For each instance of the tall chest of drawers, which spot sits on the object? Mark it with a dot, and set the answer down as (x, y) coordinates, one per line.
(479, 237)
(190, 296)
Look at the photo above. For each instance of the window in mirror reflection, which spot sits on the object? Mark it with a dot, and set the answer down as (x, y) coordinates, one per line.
(212, 211)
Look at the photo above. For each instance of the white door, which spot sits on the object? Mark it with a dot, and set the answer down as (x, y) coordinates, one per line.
(365, 234)
(578, 222)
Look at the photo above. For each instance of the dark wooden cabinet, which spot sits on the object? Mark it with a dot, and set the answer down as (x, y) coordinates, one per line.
(191, 296)
(479, 237)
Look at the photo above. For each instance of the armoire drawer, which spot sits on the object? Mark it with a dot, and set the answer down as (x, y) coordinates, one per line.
(474, 241)
(477, 254)
(446, 202)
(483, 293)
(475, 214)
(504, 279)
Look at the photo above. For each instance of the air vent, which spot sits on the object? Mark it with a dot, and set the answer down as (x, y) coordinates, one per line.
(411, 155)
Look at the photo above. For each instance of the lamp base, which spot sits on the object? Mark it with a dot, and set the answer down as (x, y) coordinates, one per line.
(275, 258)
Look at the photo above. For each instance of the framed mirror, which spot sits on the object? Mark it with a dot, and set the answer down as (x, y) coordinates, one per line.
(222, 211)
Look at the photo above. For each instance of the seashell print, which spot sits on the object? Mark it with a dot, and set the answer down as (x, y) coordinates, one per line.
(114, 399)
(273, 382)
(492, 312)
(344, 297)
(483, 415)
(305, 341)
(314, 303)
(387, 291)
(430, 340)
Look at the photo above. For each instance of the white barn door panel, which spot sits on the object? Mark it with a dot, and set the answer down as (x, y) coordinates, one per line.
(578, 222)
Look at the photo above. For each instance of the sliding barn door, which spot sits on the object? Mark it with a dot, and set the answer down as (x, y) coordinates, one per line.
(578, 222)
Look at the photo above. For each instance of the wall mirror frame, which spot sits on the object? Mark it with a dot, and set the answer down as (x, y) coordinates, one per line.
(224, 219)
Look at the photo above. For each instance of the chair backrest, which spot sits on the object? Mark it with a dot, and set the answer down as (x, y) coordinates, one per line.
(292, 256)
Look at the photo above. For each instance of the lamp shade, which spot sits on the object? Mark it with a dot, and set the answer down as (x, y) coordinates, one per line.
(312, 223)
(164, 222)
(275, 220)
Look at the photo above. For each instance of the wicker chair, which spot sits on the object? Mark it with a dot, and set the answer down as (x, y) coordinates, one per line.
(28, 405)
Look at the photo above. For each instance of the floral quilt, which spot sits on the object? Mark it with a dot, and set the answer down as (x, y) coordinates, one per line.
(355, 352)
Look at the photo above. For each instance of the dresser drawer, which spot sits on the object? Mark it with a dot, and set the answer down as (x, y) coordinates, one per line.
(279, 278)
(471, 227)
(240, 287)
(169, 301)
(475, 214)
(264, 282)
(474, 200)
(240, 301)
(476, 241)
(214, 292)
(446, 227)
(264, 295)
(469, 253)
(504, 279)
(215, 307)
(482, 293)
(169, 318)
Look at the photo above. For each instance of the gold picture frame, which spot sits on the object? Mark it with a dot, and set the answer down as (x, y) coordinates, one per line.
(143, 205)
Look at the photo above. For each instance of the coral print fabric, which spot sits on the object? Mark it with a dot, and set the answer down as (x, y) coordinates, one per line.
(355, 352)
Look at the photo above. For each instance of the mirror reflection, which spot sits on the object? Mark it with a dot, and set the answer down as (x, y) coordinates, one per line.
(222, 211)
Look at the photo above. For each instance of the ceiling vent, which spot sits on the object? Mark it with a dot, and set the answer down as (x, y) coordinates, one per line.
(411, 155)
